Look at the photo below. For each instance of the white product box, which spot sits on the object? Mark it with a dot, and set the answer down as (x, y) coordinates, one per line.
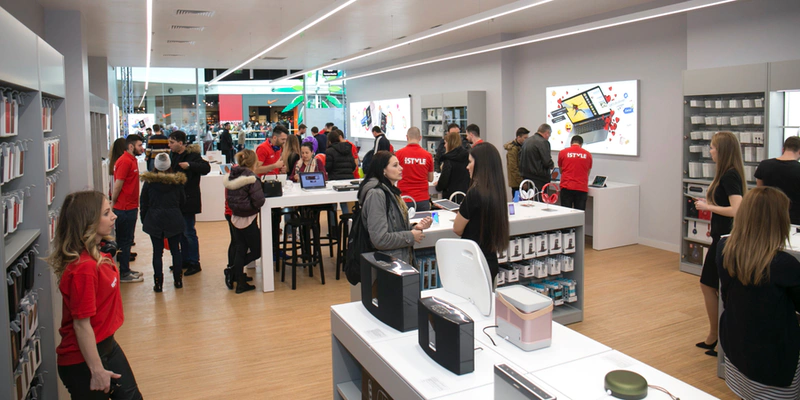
(720, 104)
(696, 135)
(750, 172)
(528, 249)
(526, 270)
(737, 120)
(695, 170)
(749, 154)
(696, 149)
(553, 266)
(555, 242)
(746, 137)
(541, 245)
(698, 231)
(502, 256)
(747, 103)
(734, 103)
(512, 275)
(723, 120)
(501, 277)
(710, 120)
(698, 119)
(539, 269)
(708, 135)
(758, 120)
(570, 244)
(709, 169)
(696, 103)
(515, 250)
(706, 150)
(758, 102)
(748, 119)
(567, 263)
(760, 154)
(758, 137)
(709, 103)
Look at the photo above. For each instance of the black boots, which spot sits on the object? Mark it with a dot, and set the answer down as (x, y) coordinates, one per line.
(177, 277)
(242, 285)
(192, 269)
(229, 278)
(158, 283)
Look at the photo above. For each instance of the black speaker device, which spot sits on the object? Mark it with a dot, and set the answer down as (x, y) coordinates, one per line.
(446, 334)
(390, 290)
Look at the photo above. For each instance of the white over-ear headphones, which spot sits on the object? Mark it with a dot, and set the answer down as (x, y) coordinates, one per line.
(530, 194)
(411, 210)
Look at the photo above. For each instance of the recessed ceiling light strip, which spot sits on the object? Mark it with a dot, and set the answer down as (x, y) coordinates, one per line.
(439, 30)
(307, 24)
(149, 43)
(589, 27)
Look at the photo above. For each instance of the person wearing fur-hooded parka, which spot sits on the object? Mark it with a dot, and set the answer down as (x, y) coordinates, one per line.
(245, 198)
(160, 203)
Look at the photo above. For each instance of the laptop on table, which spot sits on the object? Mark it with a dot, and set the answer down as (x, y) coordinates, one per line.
(312, 181)
(588, 112)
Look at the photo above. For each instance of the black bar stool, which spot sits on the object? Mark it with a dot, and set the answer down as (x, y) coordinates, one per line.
(313, 212)
(305, 249)
(341, 246)
(283, 244)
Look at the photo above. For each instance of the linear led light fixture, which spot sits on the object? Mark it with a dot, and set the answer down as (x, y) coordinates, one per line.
(305, 25)
(440, 30)
(589, 27)
(149, 44)
(142, 100)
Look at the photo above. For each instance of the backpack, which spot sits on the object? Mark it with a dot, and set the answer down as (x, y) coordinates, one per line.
(358, 243)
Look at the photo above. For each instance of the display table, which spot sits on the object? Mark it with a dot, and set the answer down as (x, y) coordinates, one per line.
(296, 197)
(212, 194)
(573, 366)
(612, 215)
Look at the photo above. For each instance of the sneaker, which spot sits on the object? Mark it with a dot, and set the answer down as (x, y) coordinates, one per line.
(130, 278)
(136, 273)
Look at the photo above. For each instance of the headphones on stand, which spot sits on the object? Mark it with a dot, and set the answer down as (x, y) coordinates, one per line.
(411, 210)
(550, 198)
(530, 194)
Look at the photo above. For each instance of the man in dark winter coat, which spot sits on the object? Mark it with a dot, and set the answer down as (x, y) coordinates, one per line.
(187, 159)
(226, 143)
(535, 160)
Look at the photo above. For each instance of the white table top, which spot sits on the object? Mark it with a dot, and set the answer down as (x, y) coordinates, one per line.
(592, 371)
(296, 196)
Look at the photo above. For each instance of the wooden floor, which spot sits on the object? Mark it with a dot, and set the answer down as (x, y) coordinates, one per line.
(206, 342)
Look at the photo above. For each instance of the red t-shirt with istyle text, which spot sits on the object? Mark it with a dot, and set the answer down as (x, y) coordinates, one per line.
(575, 164)
(416, 163)
(89, 291)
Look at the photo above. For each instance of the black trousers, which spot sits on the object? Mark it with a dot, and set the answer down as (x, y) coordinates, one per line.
(574, 199)
(539, 183)
(247, 238)
(77, 377)
(232, 244)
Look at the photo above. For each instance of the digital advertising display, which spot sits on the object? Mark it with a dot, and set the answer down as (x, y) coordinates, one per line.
(605, 115)
(393, 116)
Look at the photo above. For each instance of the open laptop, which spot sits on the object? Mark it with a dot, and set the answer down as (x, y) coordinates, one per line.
(312, 180)
(588, 111)
(599, 181)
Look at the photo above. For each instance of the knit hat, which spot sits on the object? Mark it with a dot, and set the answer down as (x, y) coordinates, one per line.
(162, 162)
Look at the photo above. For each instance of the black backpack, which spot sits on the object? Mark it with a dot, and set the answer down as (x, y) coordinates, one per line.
(358, 242)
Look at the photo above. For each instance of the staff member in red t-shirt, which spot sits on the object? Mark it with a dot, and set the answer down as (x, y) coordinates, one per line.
(575, 164)
(90, 362)
(417, 166)
(125, 202)
(269, 153)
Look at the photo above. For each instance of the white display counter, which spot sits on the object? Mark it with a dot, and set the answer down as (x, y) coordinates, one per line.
(212, 194)
(612, 215)
(573, 366)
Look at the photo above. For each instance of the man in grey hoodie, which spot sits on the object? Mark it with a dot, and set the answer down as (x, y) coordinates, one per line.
(535, 160)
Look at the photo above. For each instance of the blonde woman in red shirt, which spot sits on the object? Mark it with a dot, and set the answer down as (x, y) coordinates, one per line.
(90, 362)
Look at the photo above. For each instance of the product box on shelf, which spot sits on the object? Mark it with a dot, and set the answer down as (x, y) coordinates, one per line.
(539, 268)
(709, 169)
(568, 239)
(501, 277)
(555, 242)
(556, 292)
(526, 270)
(698, 231)
(695, 170)
(541, 244)
(513, 274)
(528, 247)
(695, 253)
(553, 265)
(567, 263)
(515, 249)
(569, 288)
(502, 256)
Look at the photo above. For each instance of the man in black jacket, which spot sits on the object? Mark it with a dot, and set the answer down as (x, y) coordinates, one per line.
(187, 159)
(535, 160)
(226, 143)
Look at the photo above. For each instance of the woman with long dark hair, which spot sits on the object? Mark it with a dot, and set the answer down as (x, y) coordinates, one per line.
(245, 198)
(722, 198)
(90, 362)
(384, 213)
(291, 153)
(760, 288)
(483, 216)
(454, 177)
(307, 163)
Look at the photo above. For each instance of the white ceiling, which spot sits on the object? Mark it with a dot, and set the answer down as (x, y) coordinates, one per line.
(241, 28)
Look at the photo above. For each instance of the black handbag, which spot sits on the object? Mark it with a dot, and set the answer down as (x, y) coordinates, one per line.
(272, 188)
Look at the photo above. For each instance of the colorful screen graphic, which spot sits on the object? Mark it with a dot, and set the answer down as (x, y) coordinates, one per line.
(393, 116)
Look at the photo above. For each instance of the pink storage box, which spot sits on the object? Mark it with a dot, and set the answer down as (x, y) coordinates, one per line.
(524, 317)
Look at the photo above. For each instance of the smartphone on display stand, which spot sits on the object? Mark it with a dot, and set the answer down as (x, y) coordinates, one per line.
(511, 209)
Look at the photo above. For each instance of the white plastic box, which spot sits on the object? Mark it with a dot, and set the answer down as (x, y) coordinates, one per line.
(570, 244)
(541, 245)
(529, 251)
(515, 249)
(555, 242)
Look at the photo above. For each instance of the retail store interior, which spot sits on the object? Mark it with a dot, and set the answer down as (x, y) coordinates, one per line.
(661, 77)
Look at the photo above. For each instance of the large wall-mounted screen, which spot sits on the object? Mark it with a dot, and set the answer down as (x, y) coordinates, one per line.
(605, 115)
(393, 116)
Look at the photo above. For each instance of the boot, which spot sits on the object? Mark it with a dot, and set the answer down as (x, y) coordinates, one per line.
(193, 269)
(229, 278)
(178, 278)
(158, 283)
(242, 285)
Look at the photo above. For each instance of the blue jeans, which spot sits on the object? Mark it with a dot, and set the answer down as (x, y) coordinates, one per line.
(126, 225)
(158, 251)
(190, 248)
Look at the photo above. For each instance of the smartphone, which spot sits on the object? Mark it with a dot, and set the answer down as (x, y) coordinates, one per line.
(511, 209)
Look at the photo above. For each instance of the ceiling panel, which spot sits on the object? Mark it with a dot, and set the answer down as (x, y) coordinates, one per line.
(238, 29)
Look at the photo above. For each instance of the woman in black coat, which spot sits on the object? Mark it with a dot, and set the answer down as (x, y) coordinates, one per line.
(339, 161)
(454, 177)
(245, 198)
(160, 203)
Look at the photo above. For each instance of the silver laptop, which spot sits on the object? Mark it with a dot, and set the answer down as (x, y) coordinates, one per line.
(312, 180)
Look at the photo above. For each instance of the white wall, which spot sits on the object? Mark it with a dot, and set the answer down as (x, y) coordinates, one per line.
(744, 32)
(29, 12)
(654, 53)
